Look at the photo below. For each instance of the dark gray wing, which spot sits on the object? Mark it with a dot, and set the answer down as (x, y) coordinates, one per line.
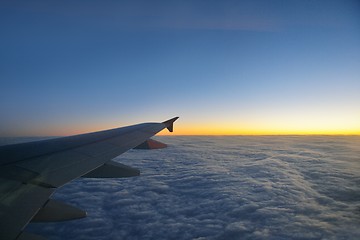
(31, 172)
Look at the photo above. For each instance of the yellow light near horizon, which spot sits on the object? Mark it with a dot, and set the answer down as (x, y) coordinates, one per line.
(221, 131)
(274, 126)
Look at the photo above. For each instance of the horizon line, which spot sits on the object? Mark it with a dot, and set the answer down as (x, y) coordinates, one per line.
(175, 135)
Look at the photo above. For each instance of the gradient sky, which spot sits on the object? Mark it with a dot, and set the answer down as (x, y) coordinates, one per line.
(224, 67)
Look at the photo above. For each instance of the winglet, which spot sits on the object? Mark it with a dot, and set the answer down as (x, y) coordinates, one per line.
(170, 124)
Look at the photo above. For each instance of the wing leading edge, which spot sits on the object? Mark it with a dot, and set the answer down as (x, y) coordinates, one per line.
(31, 172)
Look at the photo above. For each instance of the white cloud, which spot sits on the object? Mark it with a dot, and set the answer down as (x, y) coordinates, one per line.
(223, 188)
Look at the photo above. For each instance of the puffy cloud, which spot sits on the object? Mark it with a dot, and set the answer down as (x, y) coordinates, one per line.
(223, 188)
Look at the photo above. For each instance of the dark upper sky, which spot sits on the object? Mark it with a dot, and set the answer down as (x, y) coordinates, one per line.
(223, 66)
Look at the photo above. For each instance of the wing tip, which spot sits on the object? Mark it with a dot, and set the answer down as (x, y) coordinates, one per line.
(170, 124)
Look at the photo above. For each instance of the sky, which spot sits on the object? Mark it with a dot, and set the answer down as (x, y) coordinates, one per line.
(223, 67)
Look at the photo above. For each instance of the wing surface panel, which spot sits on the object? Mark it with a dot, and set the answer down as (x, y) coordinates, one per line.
(19, 203)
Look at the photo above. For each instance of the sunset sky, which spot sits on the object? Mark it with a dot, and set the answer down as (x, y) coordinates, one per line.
(223, 67)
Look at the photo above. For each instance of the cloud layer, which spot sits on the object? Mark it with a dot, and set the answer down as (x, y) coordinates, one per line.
(223, 188)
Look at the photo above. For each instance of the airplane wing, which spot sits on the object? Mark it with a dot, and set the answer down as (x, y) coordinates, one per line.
(31, 172)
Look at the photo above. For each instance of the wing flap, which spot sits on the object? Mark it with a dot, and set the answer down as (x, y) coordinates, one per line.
(55, 211)
(151, 144)
(113, 169)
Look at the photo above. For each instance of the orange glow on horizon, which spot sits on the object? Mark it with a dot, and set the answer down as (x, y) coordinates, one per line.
(211, 128)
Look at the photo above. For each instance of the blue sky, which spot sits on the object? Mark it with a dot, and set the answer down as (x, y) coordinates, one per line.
(237, 66)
